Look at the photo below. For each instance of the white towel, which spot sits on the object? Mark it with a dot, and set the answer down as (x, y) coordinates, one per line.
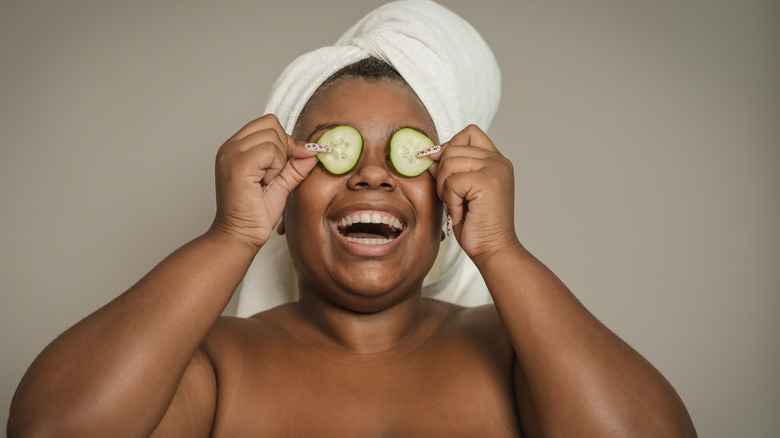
(453, 71)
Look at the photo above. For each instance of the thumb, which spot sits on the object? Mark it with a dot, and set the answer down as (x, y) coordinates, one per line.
(302, 158)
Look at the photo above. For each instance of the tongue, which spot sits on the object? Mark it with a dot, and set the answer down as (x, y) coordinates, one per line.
(358, 235)
(368, 231)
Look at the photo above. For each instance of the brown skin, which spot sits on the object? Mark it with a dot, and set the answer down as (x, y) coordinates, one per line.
(361, 354)
(326, 267)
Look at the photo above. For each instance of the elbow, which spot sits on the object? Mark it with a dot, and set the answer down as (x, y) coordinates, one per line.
(31, 421)
(668, 419)
(653, 430)
(19, 423)
(23, 425)
(677, 425)
(684, 427)
(22, 428)
(677, 430)
(677, 422)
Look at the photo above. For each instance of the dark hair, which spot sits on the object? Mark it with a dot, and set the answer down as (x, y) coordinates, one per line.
(369, 69)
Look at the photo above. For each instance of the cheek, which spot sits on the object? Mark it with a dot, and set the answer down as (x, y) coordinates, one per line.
(315, 188)
(427, 202)
(302, 204)
(302, 215)
(307, 204)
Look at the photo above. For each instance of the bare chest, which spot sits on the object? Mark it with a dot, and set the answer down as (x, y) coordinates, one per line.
(448, 389)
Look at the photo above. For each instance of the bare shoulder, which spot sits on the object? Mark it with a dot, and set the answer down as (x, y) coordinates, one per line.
(481, 318)
(233, 335)
(482, 321)
(477, 330)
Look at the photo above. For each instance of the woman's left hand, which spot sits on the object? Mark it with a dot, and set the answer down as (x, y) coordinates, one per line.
(476, 184)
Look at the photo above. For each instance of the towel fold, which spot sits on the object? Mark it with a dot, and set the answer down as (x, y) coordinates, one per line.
(452, 70)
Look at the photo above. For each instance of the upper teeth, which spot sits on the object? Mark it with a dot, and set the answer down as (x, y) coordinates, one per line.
(371, 218)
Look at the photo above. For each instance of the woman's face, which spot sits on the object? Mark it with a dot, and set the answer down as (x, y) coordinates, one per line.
(364, 267)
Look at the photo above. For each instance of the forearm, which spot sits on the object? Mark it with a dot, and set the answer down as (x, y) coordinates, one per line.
(125, 360)
(582, 378)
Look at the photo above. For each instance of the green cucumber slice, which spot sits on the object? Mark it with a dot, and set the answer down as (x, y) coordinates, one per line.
(346, 145)
(404, 146)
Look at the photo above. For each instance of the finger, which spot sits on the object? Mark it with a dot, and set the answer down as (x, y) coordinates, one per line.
(284, 142)
(439, 152)
(434, 153)
(300, 149)
(270, 135)
(301, 159)
(296, 170)
(261, 155)
(472, 135)
(455, 195)
(458, 164)
(466, 191)
(262, 163)
(267, 121)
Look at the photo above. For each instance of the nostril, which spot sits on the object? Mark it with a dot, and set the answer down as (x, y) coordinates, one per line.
(369, 175)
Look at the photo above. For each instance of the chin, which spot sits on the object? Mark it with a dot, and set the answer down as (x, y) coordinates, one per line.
(370, 304)
(367, 294)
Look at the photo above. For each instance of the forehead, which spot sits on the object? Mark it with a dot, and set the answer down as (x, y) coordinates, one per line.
(369, 106)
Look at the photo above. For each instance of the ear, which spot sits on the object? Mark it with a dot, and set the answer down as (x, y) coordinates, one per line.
(280, 227)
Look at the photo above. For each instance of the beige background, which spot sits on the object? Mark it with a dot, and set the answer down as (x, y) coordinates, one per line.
(645, 137)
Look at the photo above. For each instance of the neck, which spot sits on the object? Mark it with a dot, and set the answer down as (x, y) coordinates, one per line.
(364, 333)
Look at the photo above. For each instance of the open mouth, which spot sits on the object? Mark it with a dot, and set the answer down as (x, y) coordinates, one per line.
(370, 228)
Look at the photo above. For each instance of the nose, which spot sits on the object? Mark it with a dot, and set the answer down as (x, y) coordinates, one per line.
(372, 172)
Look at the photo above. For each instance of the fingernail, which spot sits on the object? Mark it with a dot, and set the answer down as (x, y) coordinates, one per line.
(317, 147)
(428, 151)
(269, 185)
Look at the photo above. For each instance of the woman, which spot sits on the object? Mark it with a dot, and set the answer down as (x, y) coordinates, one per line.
(353, 356)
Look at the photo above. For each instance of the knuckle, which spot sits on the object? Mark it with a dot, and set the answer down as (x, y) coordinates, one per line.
(490, 178)
(509, 165)
(447, 185)
(496, 182)
(270, 117)
(224, 153)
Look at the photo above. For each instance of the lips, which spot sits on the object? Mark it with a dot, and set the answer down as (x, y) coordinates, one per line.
(370, 227)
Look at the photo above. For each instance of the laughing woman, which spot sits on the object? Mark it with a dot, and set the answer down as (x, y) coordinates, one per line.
(361, 352)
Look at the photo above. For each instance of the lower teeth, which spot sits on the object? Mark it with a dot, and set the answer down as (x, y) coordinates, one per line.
(369, 240)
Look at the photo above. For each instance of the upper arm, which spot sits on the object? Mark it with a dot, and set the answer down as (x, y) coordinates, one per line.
(526, 410)
(494, 333)
(192, 410)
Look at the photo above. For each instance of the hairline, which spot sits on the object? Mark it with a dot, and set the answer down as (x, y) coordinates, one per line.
(382, 71)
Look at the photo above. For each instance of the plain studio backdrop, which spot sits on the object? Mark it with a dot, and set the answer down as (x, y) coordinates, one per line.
(645, 137)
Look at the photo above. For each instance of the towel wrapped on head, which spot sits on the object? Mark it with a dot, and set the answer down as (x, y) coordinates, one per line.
(453, 72)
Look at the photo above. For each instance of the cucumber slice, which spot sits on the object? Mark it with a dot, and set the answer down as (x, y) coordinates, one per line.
(404, 146)
(346, 145)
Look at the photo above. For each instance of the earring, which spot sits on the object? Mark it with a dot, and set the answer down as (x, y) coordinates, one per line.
(446, 228)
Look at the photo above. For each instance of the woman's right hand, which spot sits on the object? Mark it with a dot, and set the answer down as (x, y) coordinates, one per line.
(254, 177)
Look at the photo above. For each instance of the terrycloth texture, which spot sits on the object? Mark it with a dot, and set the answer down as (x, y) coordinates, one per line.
(452, 70)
